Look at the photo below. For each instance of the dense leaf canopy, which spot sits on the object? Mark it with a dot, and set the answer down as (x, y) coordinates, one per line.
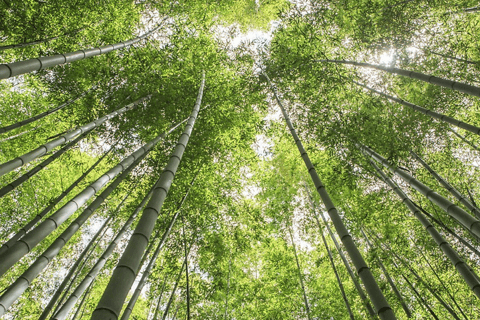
(256, 249)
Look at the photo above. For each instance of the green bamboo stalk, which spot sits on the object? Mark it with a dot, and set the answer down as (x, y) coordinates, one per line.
(43, 149)
(462, 268)
(463, 217)
(111, 303)
(458, 86)
(9, 70)
(433, 114)
(381, 305)
(52, 204)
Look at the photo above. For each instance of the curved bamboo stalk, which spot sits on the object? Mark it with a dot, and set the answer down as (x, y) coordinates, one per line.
(111, 303)
(389, 279)
(29, 241)
(43, 149)
(23, 282)
(17, 182)
(64, 310)
(73, 269)
(458, 86)
(52, 204)
(143, 281)
(360, 291)
(462, 268)
(43, 114)
(381, 305)
(427, 112)
(447, 186)
(20, 67)
(463, 217)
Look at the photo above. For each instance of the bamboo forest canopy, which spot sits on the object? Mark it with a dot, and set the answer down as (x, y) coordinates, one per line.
(239, 159)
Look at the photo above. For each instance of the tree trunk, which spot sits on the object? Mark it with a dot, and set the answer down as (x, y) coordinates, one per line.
(155, 315)
(20, 67)
(378, 299)
(447, 186)
(24, 281)
(72, 270)
(464, 139)
(462, 268)
(389, 279)
(43, 114)
(29, 241)
(62, 312)
(12, 185)
(169, 303)
(463, 217)
(110, 304)
(420, 298)
(52, 204)
(447, 56)
(87, 293)
(300, 277)
(427, 112)
(360, 291)
(20, 134)
(40, 151)
(458, 86)
(450, 231)
(143, 281)
(186, 271)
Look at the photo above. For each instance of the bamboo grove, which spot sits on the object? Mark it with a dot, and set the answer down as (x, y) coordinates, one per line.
(158, 163)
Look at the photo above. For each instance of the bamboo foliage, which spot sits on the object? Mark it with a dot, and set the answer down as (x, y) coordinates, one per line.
(384, 310)
(110, 304)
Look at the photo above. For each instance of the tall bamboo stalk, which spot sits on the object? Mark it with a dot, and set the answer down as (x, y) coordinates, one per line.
(433, 114)
(52, 204)
(29, 241)
(463, 217)
(23, 282)
(111, 303)
(389, 279)
(43, 114)
(447, 186)
(463, 269)
(172, 294)
(17, 182)
(381, 305)
(143, 281)
(63, 312)
(300, 277)
(20, 67)
(155, 315)
(43, 149)
(458, 86)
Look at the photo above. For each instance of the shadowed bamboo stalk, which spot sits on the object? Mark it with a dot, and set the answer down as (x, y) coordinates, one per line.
(21, 133)
(463, 217)
(300, 277)
(172, 294)
(111, 302)
(155, 315)
(29, 241)
(12, 185)
(447, 186)
(464, 139)
(52, 204)
(64, 310)
(23, 282)
(43, 149)
(20, 67)
(389, 278)
(82, 302)
(43, 114)
(427, 112)
(73, 269)
(143, 281)
(458, 86)
(381, 305)
(462, 268)
(360, 291)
